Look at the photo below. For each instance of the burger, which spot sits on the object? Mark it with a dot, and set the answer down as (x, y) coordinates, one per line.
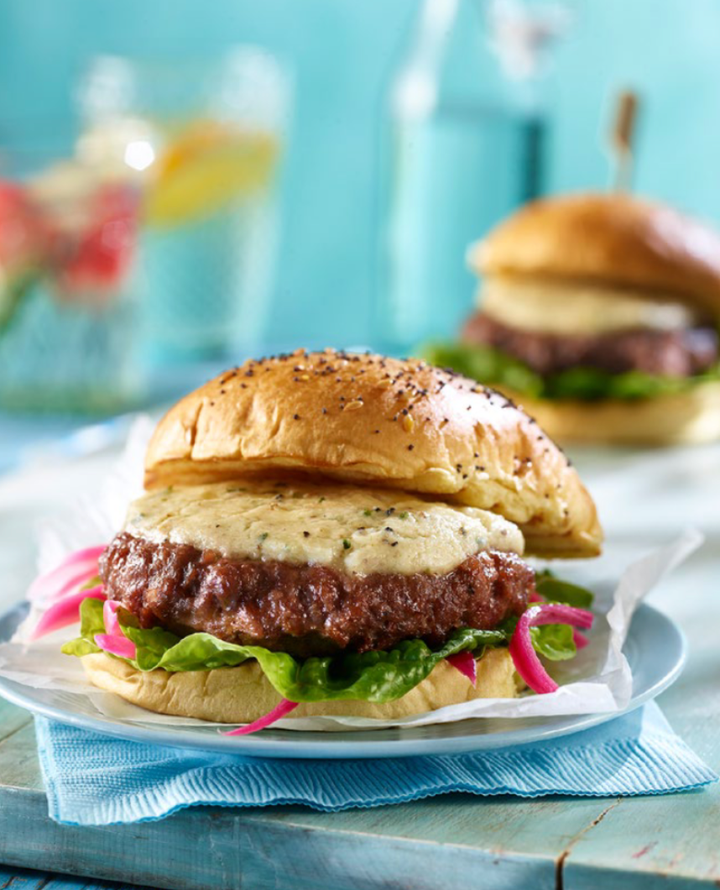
(600, 314)
(333, 534)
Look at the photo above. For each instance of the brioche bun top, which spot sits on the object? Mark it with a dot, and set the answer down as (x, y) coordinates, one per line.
(610, 239)
(378, 421)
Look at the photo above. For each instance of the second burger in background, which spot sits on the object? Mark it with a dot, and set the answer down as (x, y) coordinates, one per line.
(600, 314)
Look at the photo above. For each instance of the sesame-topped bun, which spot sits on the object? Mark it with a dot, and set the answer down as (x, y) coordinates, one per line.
(610, 239)
(373, 420)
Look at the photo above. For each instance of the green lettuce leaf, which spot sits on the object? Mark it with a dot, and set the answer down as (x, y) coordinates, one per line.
(554, 641)
(373, 676)
(553, 590)
(496, 368)
(91, 623)
(487, 365)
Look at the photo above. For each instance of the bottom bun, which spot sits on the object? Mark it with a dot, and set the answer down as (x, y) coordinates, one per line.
(243, 694)
(689, 417)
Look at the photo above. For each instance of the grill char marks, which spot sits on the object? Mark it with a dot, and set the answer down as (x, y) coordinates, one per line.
(308, 610)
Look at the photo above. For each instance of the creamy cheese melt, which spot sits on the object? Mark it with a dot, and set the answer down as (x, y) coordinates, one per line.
(577, 308)
(355, 530)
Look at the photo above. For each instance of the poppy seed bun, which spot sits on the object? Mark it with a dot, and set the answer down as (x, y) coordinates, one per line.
(243, 694)
(372, 420)
(685, 418)
(611, 239)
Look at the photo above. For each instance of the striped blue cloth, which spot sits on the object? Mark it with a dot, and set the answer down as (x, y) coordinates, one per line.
(95, 779)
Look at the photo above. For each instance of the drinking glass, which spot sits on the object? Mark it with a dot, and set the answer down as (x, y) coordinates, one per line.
(203, 141)
(68, 281)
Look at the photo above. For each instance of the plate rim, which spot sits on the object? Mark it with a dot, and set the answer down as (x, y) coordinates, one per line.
(297, 745)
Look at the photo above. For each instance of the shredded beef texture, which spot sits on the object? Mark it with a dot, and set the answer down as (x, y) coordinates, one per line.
(680, 353)
(307, 609)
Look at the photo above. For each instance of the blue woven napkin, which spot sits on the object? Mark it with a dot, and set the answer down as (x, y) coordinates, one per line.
(94, 779)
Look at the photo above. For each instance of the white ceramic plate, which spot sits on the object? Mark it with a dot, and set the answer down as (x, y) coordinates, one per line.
(655, 648)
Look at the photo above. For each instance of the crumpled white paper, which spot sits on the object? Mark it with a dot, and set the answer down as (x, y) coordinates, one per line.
(598, 680)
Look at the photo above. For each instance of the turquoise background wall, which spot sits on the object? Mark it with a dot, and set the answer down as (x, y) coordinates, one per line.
(343, 53)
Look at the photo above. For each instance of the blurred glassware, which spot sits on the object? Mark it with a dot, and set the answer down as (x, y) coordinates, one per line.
(67, 285)
(203, 139)
(468, 143)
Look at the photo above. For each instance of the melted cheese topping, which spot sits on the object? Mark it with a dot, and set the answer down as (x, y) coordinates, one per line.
(355, 530)
(557, 308)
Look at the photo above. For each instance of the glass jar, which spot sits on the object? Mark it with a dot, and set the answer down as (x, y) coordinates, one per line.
(68, 280)
(203, 142)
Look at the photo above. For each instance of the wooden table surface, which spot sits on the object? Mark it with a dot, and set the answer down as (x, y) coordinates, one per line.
(444, 842)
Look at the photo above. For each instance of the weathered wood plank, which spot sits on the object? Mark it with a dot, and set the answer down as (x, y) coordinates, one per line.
(254, 850)
(615, 875)
(11, 718)
(23, 879)
(675, 839)
(12, 880)
(19, 767)
(641, 841)
(496, 825)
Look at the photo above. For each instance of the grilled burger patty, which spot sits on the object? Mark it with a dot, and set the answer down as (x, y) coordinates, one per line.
(677, 353)
(307, 609)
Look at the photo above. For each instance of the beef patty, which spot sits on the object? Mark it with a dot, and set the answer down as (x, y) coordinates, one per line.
(307, 609)
(680, 353)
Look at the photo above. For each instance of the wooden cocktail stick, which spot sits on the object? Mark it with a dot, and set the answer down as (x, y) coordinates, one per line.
(622, 138)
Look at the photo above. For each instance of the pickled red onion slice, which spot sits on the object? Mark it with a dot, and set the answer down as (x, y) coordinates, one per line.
(64, 612)
(523, 654)
(277, 713)
(116, 645)
(580, 640)
(465, 663)
(112, 625)
(64, 581)
(558, 613)
(76, 569)
(114, 640)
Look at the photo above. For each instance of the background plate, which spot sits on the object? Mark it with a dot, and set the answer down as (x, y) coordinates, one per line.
(655, 648)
